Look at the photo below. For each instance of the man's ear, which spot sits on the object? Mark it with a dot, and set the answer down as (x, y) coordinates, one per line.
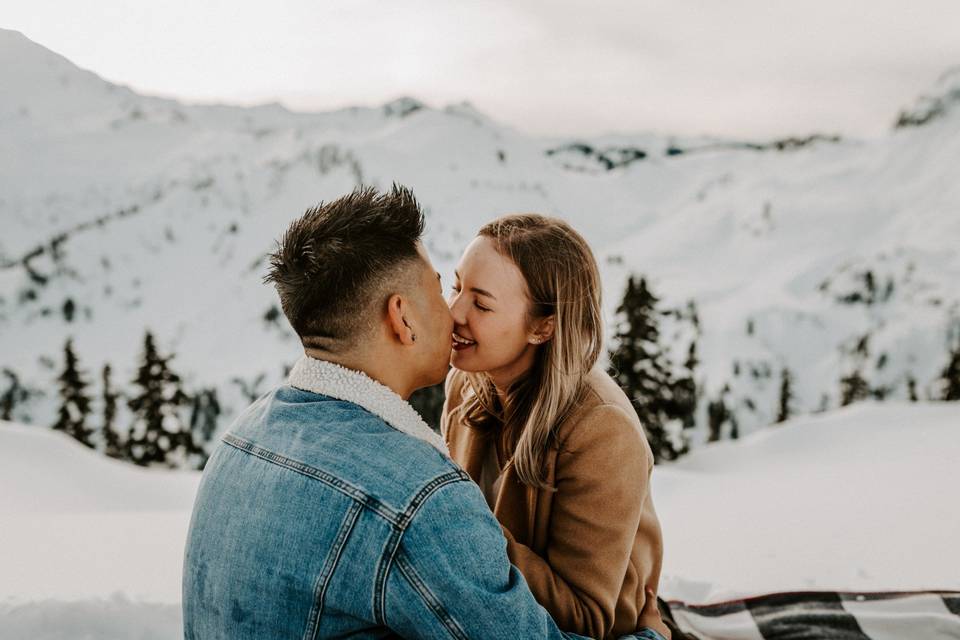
(542, 330)
(398, 314)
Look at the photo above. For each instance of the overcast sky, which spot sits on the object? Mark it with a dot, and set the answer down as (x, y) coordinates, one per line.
(753, 68)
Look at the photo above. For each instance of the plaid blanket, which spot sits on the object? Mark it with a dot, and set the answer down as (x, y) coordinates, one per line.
(830, 615)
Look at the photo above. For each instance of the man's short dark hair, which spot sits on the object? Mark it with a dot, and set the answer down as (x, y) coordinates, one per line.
(334, 264)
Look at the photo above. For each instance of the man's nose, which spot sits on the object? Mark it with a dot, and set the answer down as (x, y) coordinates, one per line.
(450, 317)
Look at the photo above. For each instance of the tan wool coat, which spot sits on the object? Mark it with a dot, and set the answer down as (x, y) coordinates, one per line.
(589, 548)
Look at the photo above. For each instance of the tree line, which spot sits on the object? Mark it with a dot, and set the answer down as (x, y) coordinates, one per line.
(662, 388)
(156, 434)
(666, 402)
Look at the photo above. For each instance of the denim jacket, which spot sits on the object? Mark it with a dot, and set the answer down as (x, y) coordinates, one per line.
(331, 510)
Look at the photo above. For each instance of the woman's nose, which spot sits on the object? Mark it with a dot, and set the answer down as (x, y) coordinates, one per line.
(456, 308)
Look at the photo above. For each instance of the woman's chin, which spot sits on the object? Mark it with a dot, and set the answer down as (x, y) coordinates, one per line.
(461, 360)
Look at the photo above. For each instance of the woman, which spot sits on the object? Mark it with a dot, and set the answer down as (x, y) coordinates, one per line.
(554, 444)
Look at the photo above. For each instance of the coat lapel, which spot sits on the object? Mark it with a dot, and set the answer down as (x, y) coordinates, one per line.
(469, 448)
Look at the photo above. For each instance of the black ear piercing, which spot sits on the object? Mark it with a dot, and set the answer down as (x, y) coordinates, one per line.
(413, 336)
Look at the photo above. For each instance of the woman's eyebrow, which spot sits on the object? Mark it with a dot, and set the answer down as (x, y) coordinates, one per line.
(482, 292)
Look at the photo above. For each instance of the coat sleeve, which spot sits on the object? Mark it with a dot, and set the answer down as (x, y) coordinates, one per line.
(602, 481)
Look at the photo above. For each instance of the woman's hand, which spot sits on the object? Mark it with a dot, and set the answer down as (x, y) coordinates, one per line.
(651, 609)
(660, 632)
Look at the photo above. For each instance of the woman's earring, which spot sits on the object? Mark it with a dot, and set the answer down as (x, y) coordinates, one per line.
(413, 337)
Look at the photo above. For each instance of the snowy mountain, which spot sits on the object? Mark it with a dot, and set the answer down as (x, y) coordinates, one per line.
(92, 547)
(122, 213)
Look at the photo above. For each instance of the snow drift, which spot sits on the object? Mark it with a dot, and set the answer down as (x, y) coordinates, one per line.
(93, 548)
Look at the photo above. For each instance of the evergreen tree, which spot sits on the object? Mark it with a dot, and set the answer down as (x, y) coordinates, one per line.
(871, 284)
(853, 388)
(112, 445)
(250, 388)
(912, 388)
(157, 435)
(717, 415)
(75, 404)
(694, 316)
(640, 367)
(204, 413)
(950, 376)
(824, 403)
(786, 395)
(880, 393)
(428, 402)
(685, 387)
(12, 395)
(684, 403)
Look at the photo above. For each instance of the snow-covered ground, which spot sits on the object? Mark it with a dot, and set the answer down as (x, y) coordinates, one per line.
(79, 525)
(858, 499)
(862, 499)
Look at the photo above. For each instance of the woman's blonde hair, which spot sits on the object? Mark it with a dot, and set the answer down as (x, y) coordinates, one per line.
(562, 281)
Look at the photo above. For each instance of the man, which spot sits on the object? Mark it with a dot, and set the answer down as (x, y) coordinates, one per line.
(331, 509)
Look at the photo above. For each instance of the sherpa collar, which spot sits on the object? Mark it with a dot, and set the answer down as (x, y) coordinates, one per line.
(329, 379)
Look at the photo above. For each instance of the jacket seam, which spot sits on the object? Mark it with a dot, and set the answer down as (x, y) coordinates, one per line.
(333, 559)
(390, 551)
(432, 602)
(333, 482)
(383, 572)
(454, 475)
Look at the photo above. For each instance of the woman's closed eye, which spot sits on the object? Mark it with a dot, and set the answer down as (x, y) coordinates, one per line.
(454, 288)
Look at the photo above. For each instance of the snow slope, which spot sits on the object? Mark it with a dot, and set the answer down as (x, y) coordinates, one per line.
(122, 212)
(859, 499)
(77, 525)
(93, 548)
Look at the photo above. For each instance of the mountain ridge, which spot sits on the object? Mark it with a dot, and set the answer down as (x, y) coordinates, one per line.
(133, 217)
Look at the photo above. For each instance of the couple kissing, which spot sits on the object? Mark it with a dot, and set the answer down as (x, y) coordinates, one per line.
(330, 509)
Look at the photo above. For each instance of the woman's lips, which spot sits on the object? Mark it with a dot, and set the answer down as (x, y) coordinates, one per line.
(460, 343)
